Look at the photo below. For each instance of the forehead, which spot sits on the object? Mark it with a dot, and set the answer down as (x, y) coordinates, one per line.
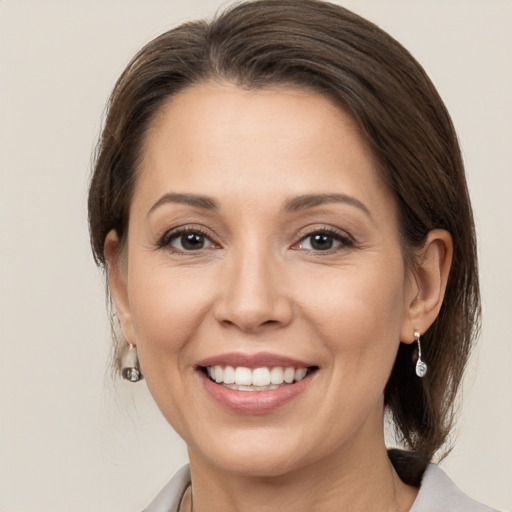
(217, 137)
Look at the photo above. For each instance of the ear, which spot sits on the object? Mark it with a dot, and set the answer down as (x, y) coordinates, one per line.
(427, 284)
(117, 273)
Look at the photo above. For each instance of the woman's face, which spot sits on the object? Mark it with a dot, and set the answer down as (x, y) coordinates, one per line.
(261, 238)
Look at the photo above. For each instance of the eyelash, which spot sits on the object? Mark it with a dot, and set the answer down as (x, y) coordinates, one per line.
(345, 240)
(165, 241)
(168, 237)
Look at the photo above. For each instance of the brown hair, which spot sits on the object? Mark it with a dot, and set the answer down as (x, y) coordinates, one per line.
(319, 45)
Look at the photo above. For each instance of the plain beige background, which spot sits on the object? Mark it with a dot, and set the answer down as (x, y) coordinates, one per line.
(69, 439)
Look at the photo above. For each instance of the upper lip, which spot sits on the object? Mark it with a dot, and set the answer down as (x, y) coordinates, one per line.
(258, 360)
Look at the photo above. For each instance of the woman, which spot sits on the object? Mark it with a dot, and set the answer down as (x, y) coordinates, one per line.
(280, 205)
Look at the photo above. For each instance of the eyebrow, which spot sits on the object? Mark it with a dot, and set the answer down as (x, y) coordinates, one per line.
(204, 202)
(310, 200)
(291, 205)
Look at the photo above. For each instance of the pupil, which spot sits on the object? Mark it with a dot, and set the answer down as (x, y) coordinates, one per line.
(321, 242)
(192, 241)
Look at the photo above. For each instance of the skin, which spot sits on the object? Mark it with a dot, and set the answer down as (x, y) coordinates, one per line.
(258, 284)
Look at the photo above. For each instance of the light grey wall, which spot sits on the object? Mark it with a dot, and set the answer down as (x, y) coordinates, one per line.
(68, 439)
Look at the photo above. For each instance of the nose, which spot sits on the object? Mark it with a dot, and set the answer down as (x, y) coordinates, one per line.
(252, 292)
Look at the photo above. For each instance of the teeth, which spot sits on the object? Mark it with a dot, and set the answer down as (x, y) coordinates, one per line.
(229, 375)
(251, 388)
(245, 388)
(243, 376)
(300, 374)
(289, 375)
(259, 379)
(276, 375)
(218, 374)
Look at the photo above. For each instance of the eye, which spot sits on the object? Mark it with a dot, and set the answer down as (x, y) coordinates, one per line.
(188, 240)
(324, 240)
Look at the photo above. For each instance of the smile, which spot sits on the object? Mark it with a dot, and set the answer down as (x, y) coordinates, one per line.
(241, 378)
(254, 383)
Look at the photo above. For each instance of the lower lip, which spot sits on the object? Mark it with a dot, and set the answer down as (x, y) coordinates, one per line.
(253, 402)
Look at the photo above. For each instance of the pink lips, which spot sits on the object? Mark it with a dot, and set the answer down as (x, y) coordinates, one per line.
(252, 361)
(252, 402)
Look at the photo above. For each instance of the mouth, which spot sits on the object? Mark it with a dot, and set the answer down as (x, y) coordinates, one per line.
(254, 384)
(264, 378)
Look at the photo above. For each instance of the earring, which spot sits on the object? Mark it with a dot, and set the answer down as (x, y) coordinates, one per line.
(421, 367)
(130, 369)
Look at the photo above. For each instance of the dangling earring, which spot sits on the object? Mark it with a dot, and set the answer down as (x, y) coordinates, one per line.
(421, 367)
(130, 369)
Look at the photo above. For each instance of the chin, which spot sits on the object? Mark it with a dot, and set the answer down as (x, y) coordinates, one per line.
(261, 464)
(252, 455)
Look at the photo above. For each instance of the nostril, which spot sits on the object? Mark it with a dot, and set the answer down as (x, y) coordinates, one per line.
(251, 300)
(251, 325)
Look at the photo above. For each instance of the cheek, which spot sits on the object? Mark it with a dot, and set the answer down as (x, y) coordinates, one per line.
(357, 311)
(357, 317)
(168, 307)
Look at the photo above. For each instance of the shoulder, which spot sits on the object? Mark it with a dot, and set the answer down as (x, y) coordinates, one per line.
(439, 494)
(169, 498)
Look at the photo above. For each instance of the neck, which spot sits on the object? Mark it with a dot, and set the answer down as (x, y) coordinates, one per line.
(359, 478)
